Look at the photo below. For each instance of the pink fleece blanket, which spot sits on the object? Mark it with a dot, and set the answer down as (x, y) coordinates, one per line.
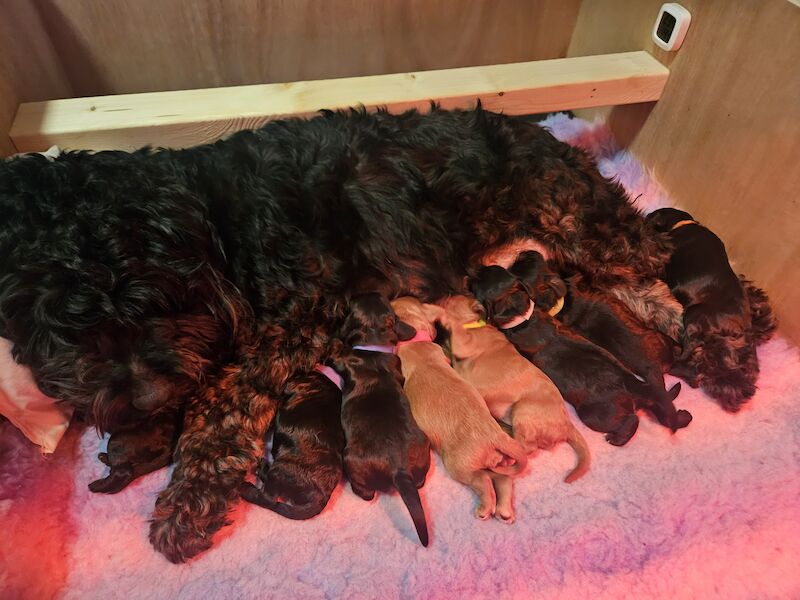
(711, 512)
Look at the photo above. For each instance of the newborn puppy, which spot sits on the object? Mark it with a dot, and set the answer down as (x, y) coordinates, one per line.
(718, 349)
(307, 449)
(473, 447)
(608, 324)
(515, 390)
(139, 450)
(384, 446)
(603, 391)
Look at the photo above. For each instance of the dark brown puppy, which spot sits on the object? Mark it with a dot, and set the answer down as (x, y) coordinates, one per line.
(307, 449)
(385, 448)
(139, 450)
(603, 391)
(719, 343)
(608, 324)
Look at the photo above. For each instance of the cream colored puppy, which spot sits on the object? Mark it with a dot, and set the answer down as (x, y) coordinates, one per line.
(515, 390)
(474, 448)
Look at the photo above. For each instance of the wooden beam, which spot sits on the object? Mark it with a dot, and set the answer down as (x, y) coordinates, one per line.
(186, 118)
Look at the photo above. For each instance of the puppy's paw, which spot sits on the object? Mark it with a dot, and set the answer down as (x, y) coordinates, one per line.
(682, 418)
(484, 512)
(116, 481)
(249, 492)
(362, 492)
(506, 516)
(621, 435)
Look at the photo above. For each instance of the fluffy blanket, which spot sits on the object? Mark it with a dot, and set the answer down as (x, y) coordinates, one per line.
(711, 512)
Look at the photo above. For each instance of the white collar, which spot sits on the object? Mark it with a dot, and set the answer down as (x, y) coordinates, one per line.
(518, 320)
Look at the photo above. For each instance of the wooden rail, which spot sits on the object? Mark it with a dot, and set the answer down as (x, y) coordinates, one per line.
(186, 118)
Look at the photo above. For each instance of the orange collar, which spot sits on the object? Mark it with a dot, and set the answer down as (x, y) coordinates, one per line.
(682, 223)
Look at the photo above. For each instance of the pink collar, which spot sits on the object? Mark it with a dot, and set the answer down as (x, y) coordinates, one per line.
(519, 319)
(420, 336)
(335, 378)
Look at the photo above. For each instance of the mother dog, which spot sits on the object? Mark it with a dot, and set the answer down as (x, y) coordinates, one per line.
(134, 282)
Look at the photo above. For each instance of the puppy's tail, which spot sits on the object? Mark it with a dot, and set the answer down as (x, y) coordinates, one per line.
(513, 457)
(410, 495)
(578, 444)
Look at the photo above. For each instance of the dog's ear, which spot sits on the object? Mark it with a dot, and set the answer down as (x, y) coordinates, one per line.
(529, 269)
(403, 330)
(433, 313)
(477, 308)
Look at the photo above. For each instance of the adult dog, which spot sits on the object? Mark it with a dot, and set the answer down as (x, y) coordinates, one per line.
(132, 282)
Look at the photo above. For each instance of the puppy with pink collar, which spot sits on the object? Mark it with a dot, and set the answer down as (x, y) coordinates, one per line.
(474, 448)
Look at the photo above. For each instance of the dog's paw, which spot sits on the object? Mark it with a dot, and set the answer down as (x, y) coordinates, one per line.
(362, 492)
(621, 435)
(184, 522)
(484, 512)
(116, 481)
(177, 542)
(506, 516)
(682, 418)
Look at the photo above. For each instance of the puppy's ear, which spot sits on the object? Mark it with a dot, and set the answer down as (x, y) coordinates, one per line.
(403, 330)
(477, 308)
(433, 313)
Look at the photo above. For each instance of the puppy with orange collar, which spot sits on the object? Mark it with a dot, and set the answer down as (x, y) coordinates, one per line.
(474, 448)
(515, 390)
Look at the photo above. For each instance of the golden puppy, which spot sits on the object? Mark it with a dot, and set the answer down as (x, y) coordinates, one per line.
(473, 447)
(515, 390)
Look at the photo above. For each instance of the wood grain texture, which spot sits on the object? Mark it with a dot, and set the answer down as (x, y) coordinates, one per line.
(30, 70)
(187, 118)
(724, 139)
(120, 46)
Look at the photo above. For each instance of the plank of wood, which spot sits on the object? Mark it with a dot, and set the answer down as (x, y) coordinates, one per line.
(187, 118)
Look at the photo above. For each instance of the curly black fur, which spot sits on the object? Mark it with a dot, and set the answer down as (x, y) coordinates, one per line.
(720, 337)
(264, 235)
(385, 448)
(307, 448)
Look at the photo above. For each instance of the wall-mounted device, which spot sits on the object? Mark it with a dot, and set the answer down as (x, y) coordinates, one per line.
(671, 26)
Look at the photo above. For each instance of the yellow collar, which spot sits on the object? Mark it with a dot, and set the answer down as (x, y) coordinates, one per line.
(557, 307)
(475, 324)
(682, 223)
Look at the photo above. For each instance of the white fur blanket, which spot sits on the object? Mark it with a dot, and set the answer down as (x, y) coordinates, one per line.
(711, 512)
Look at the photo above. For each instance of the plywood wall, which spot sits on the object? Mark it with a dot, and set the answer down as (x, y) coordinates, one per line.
(724, 139)
(119, 46)
(68, 48)
(29, 67)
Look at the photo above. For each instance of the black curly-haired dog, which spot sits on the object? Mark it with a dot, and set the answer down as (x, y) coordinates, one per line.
(604, 392)
(385, 448)
(137, 451)
(720, 334)
(307, 447)
(606, 323)
(254, 243)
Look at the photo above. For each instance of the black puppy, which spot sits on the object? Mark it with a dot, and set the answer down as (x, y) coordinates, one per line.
(607, 323)
(307, 449)
(719, 348)
(136, 451)
(603, 391)
(385, 448)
